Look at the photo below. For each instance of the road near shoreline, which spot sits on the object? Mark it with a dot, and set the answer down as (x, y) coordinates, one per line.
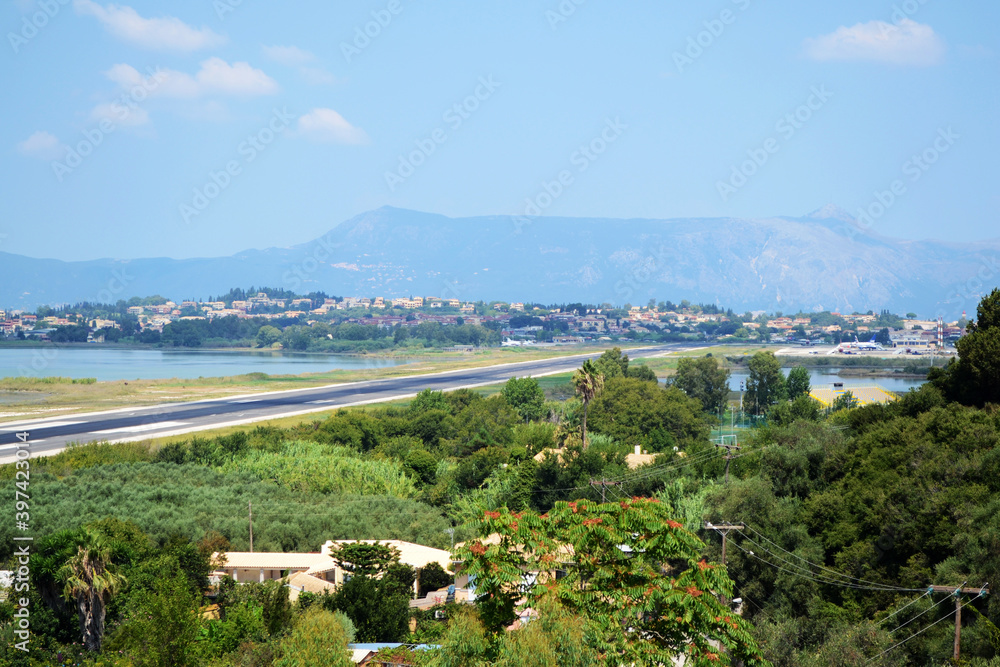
(50, 436)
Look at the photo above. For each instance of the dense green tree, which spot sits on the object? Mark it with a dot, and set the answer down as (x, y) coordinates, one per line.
(636, 412)
(422, 464)
(641, 372)
(556, 638)
(268, 335)
(703, 379)
(160, 626)
(428, 399)
(74, 333)
(798, 383)
(474, 469)
(613, 363)
(525, 395)
(786, 412)
(379, 612)
(269, 599)
(318, 638)
(975, 378)
(485, 423)
(844, 401)
(765, 385)
(433, 577)
(365, 559)
(636, 579)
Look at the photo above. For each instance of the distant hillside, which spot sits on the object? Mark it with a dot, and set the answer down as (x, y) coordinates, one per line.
(823, 261)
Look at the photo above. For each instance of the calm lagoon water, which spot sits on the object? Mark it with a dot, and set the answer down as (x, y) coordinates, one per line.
(823, 377)
(122, 364)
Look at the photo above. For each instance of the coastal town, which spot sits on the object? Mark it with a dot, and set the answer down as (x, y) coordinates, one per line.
(516, 322)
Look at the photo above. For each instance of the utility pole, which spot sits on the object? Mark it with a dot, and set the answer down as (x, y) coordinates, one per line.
(604, 485)
(958, 592)
(250, 508)
(723, 529)
(729, 452)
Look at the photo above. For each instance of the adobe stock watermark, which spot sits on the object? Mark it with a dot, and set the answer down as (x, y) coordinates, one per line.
(455, 116)
(584, 156)
(967, 295)
(122, 109)
(248, 150)
(901, 12)
(22, 522)
(363, 35)
(704, 39)
(42, 357)
(642, 272)
(223, 7)
(786, 128)
(321, 252)
(562, 12)
(914, 168)
(30, 26)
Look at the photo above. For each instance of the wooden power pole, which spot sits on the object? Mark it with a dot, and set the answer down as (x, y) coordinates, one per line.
(723, 529)
(734, 446)
(958, 592)
(604, 485)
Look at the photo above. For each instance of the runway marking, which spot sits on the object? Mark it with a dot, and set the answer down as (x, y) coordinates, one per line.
(325, 400)
(248, 400)
(38, 427)
(33, 443)
(141, 428)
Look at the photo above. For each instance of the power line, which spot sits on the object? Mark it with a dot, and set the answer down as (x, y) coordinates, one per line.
(645, 472)
(822, 567)
(911, 602)
(919, 632)
(814, 577)
(931, 608)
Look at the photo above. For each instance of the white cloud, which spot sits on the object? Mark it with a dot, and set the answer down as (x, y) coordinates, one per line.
(327, 125)
(293, 56)
(163, 33)
(42, 145)
(216, 77)
(288, 55)
(120, 114)
(904, 43)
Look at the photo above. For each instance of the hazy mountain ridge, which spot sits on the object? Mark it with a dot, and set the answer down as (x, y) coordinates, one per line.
(820, 261)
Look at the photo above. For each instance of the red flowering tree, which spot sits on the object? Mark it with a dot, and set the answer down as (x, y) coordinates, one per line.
(633, 573)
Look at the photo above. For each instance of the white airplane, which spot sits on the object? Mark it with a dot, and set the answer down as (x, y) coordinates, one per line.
(870, 346)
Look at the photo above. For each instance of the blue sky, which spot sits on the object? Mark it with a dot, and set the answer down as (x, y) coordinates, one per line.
(214, 126)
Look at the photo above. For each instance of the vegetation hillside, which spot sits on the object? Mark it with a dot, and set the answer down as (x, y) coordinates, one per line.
(849, 517)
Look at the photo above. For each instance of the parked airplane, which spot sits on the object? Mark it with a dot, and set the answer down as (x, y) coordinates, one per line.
(870, 346)
(805, 342)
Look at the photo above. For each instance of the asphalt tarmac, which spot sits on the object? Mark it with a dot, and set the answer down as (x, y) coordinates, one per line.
(52, 435)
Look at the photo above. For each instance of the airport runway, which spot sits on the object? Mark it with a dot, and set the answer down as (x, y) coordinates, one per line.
(52, 435)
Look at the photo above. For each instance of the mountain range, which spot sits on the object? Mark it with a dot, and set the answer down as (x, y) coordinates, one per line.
(821, 261)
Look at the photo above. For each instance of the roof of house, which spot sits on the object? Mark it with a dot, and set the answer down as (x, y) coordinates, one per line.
(305, 582)
(414, 555)
(634, 461)
(273, 560)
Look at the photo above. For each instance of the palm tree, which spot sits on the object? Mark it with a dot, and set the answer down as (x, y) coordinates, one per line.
(588, 383)
(90, 581)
